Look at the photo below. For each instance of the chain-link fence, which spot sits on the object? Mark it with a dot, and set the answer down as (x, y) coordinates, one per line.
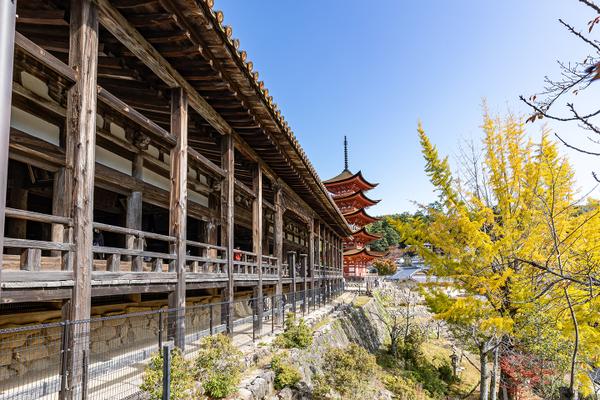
(104, 358)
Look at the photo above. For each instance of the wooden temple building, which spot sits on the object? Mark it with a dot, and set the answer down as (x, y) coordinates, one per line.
(148, 162)
(348, 191)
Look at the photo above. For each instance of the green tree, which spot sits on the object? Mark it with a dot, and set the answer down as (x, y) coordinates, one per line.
(385, 266)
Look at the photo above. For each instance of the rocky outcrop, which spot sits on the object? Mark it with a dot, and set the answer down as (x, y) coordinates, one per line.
(344, 324)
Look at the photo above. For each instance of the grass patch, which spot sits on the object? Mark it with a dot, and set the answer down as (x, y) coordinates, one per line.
(437, 351)
(321, 323)
(360, 301)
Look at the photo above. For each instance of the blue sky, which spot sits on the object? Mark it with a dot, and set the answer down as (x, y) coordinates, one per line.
(370, 70)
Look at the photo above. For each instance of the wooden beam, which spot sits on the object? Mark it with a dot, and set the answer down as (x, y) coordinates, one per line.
(44, 57)
(205, 163)
(178, 205)
(81, 134)
(245, 189)
(227, 219)
(131, 38)
(257, 236)
(130, 113)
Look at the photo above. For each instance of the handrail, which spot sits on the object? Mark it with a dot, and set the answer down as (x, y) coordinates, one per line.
(36, 216)
(205, 245)
(133, 232)
(132, 252)
(37, 244)
(248, 253)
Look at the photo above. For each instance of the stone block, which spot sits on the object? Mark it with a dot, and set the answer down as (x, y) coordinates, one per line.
(37, 353)
(98, 347)
(244, 394)
(6, 373)
(105, 332)
(6, 357)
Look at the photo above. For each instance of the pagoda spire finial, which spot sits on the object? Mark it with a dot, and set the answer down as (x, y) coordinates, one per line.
(345, 153)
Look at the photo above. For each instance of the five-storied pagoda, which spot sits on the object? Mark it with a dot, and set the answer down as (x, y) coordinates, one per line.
(348, 192)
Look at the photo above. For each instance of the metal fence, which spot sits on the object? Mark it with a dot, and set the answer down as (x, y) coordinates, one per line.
(37, 362)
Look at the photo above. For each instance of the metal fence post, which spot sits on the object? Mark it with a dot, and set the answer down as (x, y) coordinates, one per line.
(211, 319)
(160, 329)
(273, 299)
(253, 321)
(64, 357)
(84, 380)
(166, 392)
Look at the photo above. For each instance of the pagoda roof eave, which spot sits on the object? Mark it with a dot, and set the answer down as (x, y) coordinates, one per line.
(363, 232)
(359, 212)
(364, 252)
(347, 176)
(360, 194)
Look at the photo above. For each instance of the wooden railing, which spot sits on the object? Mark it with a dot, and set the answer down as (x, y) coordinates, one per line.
(109, 258)
(285, 270)
(269, 266)
(133, 256)
(324, 271)
(244, 262)
(30, 257)
(213, 259)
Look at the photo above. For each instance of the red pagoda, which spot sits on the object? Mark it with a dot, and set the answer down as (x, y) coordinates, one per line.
(348, 192)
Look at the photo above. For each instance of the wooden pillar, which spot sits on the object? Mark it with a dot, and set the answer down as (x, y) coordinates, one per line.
(278, 238)
(80, 162)
(61, 207)
(292, 264)
(257, 236)
(304, 266)
(8, 11)
(178, 205)
(134, 211)
(311, 255)
(227, 226)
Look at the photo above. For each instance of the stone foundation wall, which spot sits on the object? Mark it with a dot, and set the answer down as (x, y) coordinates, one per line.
(34, 354)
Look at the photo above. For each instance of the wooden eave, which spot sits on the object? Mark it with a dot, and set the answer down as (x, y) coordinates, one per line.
(201, 56)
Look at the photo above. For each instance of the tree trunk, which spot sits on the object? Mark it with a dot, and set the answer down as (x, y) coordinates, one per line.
(484, 373)
(494, 378)
(573, 393)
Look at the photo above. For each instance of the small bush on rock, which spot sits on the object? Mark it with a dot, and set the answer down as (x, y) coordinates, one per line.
(346, 372)
(403, 388)
(182, 377)
(286, 375)
(296, 334)
(219, 366)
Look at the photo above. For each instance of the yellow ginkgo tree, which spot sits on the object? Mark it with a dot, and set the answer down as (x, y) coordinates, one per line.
(511, 233)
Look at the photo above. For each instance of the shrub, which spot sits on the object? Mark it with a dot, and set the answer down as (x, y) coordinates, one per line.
(446, 374)
(182, 377)
(410, 348)
(403, 388)
(285, 373)
(296, 334)
(346, 372)
(429, 377)
(219, 366)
